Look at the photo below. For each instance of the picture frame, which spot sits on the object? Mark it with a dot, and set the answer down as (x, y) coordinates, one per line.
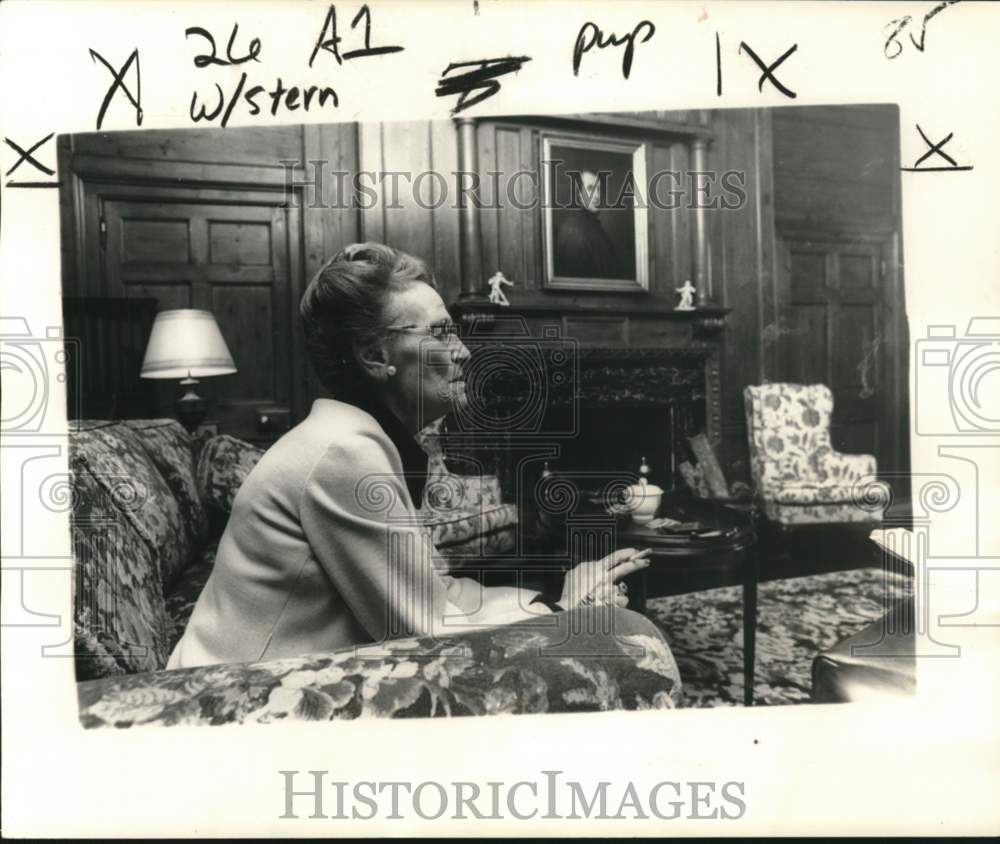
(595, 233)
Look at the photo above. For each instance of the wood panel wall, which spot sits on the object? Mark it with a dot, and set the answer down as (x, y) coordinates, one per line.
(206, 219)
(799, 168)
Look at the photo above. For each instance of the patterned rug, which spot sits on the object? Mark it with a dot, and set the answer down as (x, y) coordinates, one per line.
(796, 619)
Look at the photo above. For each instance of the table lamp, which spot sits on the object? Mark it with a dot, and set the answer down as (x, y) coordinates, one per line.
(187, 344)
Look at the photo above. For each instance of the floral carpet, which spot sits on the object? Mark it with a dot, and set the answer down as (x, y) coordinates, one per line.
(796, 619)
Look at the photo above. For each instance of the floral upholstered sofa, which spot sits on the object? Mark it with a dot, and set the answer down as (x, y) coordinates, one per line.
(799, 476)
(148, 505)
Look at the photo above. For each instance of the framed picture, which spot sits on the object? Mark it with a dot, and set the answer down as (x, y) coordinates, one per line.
(594, 231)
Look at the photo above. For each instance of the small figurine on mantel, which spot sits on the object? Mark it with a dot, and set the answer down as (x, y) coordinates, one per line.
(497, 296)
(687, 297)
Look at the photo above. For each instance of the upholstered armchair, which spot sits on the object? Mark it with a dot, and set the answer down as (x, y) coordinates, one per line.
(799, 477)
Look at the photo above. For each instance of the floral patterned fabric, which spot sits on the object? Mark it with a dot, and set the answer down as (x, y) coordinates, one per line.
(120, 624)
(465, 513)
(170, 448)
(184, 594)
(526, 667)
(223, 465)
(799, 475)
(114, 454)
(452, 532)
(797, 618)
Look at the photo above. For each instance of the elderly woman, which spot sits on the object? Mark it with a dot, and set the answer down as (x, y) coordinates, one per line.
(324, 548)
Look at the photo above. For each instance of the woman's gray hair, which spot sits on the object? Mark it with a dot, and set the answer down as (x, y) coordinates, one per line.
(344, 305)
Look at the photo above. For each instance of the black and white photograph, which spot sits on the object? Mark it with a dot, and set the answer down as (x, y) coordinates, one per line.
(499, 418)
(332, 457)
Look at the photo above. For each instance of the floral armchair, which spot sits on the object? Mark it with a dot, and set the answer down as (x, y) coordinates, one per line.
(800, 478)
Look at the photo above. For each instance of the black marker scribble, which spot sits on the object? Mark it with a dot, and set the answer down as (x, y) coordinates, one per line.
(483, 79)
(330, 42)
(768, 70)
(901, 23)
(119, 76)
(935, 149)
(590, 36)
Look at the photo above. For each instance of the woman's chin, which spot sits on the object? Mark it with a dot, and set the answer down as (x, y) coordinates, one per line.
(457, 396)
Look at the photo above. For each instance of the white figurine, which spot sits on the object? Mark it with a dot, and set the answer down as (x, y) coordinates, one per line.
(687, 297)
(496, 293)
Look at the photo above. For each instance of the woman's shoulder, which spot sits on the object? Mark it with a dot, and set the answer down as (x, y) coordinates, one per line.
(339, 431)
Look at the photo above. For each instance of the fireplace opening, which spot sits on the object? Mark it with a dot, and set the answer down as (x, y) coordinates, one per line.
(614, 439)
(600, 413)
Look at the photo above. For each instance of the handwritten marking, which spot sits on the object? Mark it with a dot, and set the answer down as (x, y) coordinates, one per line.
(15, 184)
(590, 35)
(483, 79)
(119, 77)
(26, 155)
(718, 65)
(330, 45)
(280, 95)
(903, 22)
(768, 70)
(935, 149)
(253, 49)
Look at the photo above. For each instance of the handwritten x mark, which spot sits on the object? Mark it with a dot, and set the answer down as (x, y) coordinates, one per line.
(768, 73)
(935, 149)
(27, 156)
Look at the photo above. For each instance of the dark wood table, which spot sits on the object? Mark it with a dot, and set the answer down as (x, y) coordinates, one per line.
(728, 557)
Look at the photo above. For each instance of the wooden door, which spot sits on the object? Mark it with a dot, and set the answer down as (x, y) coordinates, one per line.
(235, 253)
(842, 323)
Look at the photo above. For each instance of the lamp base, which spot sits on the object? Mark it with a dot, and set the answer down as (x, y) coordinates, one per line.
(191, 408)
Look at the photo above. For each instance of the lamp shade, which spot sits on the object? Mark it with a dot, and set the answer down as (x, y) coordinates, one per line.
(186, 343)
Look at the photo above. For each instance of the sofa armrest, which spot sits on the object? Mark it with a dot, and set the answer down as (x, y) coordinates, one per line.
(550, 664)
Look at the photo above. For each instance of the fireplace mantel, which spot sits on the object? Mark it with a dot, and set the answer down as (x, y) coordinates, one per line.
(480, 311)
(627, 337)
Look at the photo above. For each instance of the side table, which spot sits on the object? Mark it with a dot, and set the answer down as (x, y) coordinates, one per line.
(730, 556)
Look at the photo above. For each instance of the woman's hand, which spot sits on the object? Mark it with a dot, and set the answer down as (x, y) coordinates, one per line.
(594, 582)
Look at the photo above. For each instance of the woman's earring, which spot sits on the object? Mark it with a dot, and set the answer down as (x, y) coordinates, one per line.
(390, 370)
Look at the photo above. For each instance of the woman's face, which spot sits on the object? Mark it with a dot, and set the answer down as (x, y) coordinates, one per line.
(429, 381)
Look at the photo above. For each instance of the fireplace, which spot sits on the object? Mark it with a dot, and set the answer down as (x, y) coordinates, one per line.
(591, 414)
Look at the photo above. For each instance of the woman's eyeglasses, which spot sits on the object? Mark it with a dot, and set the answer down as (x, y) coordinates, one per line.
(442, 331)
